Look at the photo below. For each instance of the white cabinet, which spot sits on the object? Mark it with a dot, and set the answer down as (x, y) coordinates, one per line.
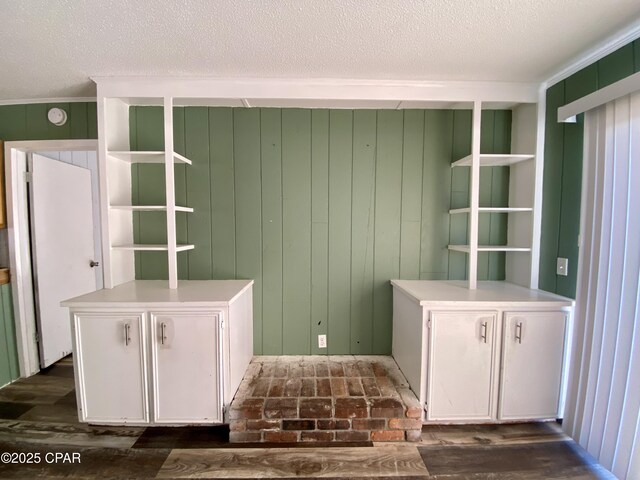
(146, 354)
(532, 352)
(111, 366)
(487, 355)
(186, 364)
(461, 365)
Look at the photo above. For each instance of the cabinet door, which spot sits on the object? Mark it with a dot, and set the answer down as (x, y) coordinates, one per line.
(532, 357)
(461, 366)
(186, 367)
(110, 358)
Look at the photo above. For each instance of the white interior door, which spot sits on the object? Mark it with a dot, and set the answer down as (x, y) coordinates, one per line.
(62, 248)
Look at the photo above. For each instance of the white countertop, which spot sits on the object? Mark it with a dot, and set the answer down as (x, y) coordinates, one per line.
(450, 292)
(143, 293)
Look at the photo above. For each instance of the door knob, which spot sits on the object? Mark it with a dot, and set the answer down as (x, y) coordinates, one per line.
(93, 263)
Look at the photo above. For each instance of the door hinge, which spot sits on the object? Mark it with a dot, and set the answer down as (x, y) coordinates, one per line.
(36, 337)
(425, 406)
(28, 177)
(429, 323)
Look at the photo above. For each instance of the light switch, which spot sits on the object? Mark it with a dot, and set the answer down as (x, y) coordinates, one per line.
(562, 266)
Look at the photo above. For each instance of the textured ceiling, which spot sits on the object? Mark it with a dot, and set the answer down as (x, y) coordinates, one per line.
(50, 48)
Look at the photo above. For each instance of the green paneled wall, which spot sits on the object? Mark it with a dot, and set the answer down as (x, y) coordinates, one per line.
(563, 165)
(8, 350)
(322, 208)
(29, 122)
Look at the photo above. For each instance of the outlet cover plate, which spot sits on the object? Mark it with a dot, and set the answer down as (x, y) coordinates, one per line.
(562, 266)
(322, 341)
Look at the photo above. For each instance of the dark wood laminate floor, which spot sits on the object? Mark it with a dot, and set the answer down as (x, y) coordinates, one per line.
(38, 419)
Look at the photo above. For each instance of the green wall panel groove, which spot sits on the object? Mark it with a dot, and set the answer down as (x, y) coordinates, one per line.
(321, 208)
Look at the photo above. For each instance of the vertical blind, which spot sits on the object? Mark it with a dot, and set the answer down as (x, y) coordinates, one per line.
(603, 403)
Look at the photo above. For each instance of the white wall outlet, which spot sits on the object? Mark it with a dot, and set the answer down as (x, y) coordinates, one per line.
(562, 266)
(322, 341)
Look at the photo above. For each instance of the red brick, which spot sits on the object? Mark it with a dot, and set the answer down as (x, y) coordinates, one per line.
(240, 437)
(368, 424)
(365, 369)
(334, 425)
(266, 370)
(386, 386)
(298, 425)
(292, 387)
(322, 370)
(237, 425)
(277, 388)
(386, 408)
(263, 424)
(315, 408)
(387, 436)
(355, 388)
(336, 369)
(295, 371)
(281, 370)
(351, 408)
(351, 369)
(352, 436)
(281, 408)
(316, 436)
(324, 387)
(261, 387)
(308, 370)
(414, 435)
(405, 424)
(308, 387)
(246, 409)
(370, 387)
(379, 370)
(411, 403)
(338, 387)
(280, 437)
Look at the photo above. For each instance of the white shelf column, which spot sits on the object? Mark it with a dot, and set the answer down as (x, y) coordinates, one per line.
(170, 193)
(474, 196)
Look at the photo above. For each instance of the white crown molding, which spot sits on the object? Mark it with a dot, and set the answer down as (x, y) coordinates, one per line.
(600, 50)
(31, 101)
(321, 93)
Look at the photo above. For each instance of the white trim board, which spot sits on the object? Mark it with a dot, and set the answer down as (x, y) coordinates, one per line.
(619, 39)
(611, 92)
(30, 101)
(19, 254)
(318, 93)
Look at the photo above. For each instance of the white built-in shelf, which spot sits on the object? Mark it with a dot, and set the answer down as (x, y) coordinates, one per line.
(492, 210)
(493, 160)
(151, 248)
(489, 248)
(150, 208)
(147, 157)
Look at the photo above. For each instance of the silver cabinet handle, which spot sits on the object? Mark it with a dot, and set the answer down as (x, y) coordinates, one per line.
(519, 332)
(163, 332)
(483, 334)
(127, 334)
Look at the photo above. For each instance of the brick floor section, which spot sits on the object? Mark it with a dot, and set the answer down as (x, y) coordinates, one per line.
(323, 399)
